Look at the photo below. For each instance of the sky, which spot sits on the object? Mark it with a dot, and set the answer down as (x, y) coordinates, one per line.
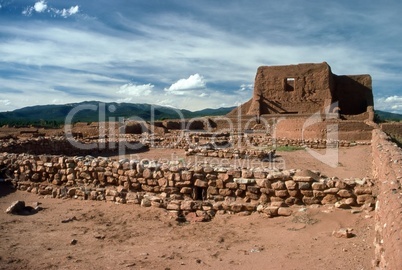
(188, 54)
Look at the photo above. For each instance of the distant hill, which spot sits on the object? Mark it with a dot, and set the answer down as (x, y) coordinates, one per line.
(387, 116)
(88, 111)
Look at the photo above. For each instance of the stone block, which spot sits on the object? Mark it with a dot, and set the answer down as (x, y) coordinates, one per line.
(271, 211)
(263, 183)
(310, 200)
(318, 186)
(225, 192)
(278, 185)
(284, 211)
(253, 189)
(186, 190)
(345, 193)
(365, 199)
(291, 185)
(231, 185)
(200, 183)
(281, 193)
(363, 190)
(329, 199)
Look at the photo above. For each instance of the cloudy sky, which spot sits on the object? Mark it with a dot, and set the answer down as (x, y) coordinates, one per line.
(188, 54)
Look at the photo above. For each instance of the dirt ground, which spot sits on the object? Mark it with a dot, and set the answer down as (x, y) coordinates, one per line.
(112, 236)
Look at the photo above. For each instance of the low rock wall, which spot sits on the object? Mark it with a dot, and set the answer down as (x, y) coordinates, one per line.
(62, 146)
(387, 168)
(202, 189)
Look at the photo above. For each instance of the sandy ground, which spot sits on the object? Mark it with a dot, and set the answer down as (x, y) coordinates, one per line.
(112, 236)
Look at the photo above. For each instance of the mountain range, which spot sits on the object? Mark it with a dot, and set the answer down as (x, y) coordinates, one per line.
(89, 111)
(93, 111)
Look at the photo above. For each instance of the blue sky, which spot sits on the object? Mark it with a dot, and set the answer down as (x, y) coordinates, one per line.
(188, 54)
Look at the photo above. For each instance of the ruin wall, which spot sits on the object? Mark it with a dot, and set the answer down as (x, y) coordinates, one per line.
(387, 161)
(203, 189)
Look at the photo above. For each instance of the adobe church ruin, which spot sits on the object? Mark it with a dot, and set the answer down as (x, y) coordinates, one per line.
(307, 89)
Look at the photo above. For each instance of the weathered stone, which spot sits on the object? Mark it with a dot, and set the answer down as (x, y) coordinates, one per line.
(186, 190)
(253, 189)
(308, 193)
(363, 190)
(341, 184)
(310, 200)
(147, 173)
(145, 202)
(186, 175)
(294, 193)
(343, 233)
(342, 205)
(236, 207)
(365, 199)
(318, 186)
(246, 174)
(284, 211)
(345, 193)
(225, 192)
(16, 207)
(329, 199)
(271, 211)
(231, 185)
(304, 185)
(305, 176)
(331, 190)
(243, 181)
(318, 194)
(263, 183)
(201, 183)
(290, 184)
(278, 185)
(187, 205)
(281, 193)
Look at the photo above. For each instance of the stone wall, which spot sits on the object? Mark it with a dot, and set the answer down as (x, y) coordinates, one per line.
(175, 186)
(61, 146)
(387, 168)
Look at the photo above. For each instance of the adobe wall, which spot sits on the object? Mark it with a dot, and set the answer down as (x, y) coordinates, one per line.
(393, 128)
(354, 93)
(308, 88)
(387, 168)
(175, 186)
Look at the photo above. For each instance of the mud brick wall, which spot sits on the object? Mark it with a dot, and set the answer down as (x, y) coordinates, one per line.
(178, 187)
(387, 168)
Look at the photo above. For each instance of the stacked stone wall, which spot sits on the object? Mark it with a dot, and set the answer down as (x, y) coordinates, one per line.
(387, 168)
(62, 146)
(203, 189)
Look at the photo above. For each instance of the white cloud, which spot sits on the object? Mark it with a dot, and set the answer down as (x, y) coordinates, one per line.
(391, 104)
(68, 12)
(194, 82)
(246, 87)
(136, 90)
(393, 99)
(5, 102)
(203, 94)
(40, 6)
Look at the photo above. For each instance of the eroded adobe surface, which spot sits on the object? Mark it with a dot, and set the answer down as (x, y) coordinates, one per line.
(307, 89)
